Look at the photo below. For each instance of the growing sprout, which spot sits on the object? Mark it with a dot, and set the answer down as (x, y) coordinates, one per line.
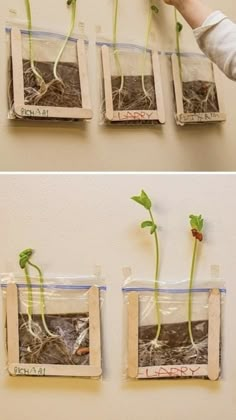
(25, 262)
(153, 10)
(196, 223)
(34, 95)
(178, 30)
(145, 201)
(116, 51)
(72, 4)
(38, 77)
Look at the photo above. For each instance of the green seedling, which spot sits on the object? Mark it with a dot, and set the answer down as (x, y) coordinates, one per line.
(72, 5)
(178, 30)
(25, 262)
(38, 77)
(145, 201)
(116, 51)
(34, 95)
(196, 223)
(153, 10)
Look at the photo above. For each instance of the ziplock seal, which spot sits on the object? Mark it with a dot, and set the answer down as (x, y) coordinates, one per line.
(174, 291)
(55, 286)
(38, 34)
(139, 47)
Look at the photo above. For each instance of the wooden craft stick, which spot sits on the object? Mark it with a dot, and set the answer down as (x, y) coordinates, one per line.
(107, 82)
(158, 87)
(94, 328)
(39, 111)
(214, 335)
(27, 369)
(172, 371)
(220, 91)
(12, 324)
(177, 84)
(17, 67)
(136, 115)
(133, 316)
(83, 74)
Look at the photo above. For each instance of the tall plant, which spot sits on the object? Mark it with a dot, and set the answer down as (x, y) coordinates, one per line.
(38, 77)
(196, 223)
(145, 201)
(72, 5)
(178, 30)
(43, 86)
(153, 10)
(116, 51)
(25, 262)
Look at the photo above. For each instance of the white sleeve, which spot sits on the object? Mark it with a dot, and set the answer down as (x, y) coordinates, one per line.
(217, 39)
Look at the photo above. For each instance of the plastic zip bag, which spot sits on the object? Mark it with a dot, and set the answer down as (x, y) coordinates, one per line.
(131, 89)
(52, 86)
(54, 330)
(197, 89)
(174, 352)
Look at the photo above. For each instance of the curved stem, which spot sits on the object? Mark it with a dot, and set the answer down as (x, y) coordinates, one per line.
(178, 44)
(190, 292)
(156, 284)
(30, 301)
(42, 301)
(73, 16)
(149, 27)
(116, 52)
(38, 76)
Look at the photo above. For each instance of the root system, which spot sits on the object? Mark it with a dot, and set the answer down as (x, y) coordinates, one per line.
(70, 346)
(65, 92)
(174, 346)
(132, 96)
(200, 97)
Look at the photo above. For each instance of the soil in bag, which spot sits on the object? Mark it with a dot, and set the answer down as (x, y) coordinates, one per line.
(132, 96)
(69, 346)
(174, 346)
(200, 97)
(59, 94)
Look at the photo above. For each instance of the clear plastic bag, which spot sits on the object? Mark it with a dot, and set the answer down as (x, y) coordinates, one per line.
(48, 77)
(197, 89)
(54, 329)
(131, 89)
(181, 344)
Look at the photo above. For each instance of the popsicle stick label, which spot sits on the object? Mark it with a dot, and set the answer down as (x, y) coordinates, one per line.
(31, 371)
(172, 371)
(135, 115)
(201, 117)
(43, 113)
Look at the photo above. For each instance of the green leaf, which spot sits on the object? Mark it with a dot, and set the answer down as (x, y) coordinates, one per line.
(146, 200)
(153, 229)
(179, 27)
(155, 9)
(196, 222)
(143, 200)
(147, 223)
(25, 256)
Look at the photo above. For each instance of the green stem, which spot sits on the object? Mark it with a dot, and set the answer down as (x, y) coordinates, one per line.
(38, 76)
(156, 284)
(73, 17)
(190, 292)
(116, 52)
(148, 32)
(42, 301)
(30, 301)
(29, 292)
(178, 44)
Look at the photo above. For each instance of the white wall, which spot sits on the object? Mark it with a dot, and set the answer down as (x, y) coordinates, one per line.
(74, 222)
(50, 147)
